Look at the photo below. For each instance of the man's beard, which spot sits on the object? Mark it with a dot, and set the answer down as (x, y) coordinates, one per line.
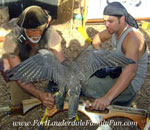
(33, 39)
(110, 31)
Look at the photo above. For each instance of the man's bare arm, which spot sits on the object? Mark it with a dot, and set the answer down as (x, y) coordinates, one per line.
(57, 50)
(131, 51)
(100, 38)
(46, 98)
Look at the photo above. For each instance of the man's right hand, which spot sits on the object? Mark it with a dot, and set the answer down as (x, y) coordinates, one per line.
(47, 99)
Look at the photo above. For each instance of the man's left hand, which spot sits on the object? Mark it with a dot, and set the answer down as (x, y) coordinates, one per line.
(101, 103)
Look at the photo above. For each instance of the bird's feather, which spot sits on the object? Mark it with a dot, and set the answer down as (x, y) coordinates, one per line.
(89, 61)
(45, 65)
(41, 66)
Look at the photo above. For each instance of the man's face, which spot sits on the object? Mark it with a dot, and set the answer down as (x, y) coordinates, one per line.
(34, 32)
(34, 35)
(112, 23)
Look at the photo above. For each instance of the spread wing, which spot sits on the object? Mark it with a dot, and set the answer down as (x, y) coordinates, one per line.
(45, 65)
(41, 66)
(89, 61)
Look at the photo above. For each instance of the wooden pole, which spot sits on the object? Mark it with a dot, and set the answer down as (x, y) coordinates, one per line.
(102, 20)
(71, 21)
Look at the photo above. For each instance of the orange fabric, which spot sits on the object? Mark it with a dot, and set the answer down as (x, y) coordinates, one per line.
(2, 38)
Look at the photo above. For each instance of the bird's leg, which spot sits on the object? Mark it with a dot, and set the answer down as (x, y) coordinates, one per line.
(73, 102)
(73, 106)
(60, 98)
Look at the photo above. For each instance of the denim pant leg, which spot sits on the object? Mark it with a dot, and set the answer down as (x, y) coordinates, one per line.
(126, 97)
(98, 87)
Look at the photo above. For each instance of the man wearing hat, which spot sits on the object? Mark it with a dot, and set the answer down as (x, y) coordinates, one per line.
(121, 27)
(34, 32)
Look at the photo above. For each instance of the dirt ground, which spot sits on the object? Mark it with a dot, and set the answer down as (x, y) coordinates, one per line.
(73, 43)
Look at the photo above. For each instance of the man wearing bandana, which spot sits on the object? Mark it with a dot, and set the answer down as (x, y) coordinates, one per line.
(121, 27)
(33, 32)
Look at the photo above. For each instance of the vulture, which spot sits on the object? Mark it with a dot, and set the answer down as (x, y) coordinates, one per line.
(68, 75)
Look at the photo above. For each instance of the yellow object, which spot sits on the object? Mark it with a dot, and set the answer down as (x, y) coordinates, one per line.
(84, 34)
(146, 25)
(44, 119)
(56, 94)
(147, 119)
(81, 29)
(147, 126)
(77, 118)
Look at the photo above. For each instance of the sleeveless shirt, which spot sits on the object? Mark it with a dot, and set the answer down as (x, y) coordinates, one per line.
(138, 80)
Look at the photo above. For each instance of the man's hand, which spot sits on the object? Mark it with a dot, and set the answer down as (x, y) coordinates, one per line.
(47, 99)
(4, 67)
(101, 103)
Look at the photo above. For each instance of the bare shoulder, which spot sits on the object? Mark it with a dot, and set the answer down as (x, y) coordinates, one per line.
(55, 38)
(134, 41)
(10, 45)
(135, 37)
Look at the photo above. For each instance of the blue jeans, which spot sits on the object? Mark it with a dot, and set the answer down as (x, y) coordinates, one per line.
(98, 87)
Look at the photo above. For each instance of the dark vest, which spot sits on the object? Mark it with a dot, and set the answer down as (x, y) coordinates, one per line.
(25, 49)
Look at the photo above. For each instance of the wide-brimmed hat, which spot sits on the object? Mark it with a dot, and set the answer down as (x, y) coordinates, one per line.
(33, 17)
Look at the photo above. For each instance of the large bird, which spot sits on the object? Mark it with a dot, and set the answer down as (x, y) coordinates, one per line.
(45, 66)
